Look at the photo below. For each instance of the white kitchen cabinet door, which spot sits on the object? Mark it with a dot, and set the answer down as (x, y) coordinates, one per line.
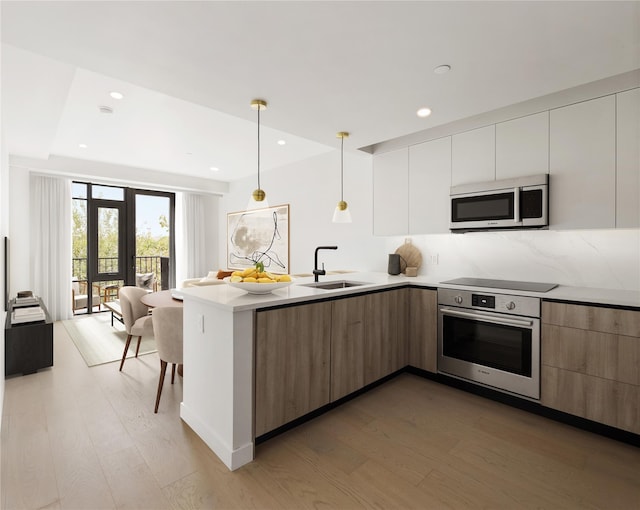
(522, 146)
(582, 150)
(628, 159)
(429, 183)
(473, 156)
(390, 193)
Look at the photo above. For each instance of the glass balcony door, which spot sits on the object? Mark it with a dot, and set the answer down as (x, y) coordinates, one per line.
(107, 248)
(122, 236)
(151, 236)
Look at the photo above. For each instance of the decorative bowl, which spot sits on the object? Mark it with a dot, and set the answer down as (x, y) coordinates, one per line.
(258, 288)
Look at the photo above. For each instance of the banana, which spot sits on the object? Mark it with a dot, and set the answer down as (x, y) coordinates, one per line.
(257, 274)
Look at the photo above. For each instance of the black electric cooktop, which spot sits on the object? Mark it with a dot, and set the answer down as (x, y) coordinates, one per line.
(503, 284)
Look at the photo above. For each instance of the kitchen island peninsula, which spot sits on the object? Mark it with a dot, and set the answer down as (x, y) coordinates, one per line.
(321, 344)
(219, 356)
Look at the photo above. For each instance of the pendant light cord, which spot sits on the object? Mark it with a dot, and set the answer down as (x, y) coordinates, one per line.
(259, 147)
(342, 168)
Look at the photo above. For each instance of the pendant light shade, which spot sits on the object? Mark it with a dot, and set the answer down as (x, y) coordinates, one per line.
(258, 197)
(342, 213)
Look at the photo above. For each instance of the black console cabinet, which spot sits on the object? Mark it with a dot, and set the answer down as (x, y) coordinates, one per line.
(29, 346)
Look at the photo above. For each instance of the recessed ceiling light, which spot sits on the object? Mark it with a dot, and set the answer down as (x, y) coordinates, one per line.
(423, 112)
(116, 95)
(214, 168)
(442, 69)
(82, 145)
(282, 142)
(105, 109)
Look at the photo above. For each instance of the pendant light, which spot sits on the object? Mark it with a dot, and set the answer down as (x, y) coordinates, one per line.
(342, 213)
(258, 197)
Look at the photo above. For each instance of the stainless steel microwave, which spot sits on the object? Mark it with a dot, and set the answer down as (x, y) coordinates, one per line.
(521, 202)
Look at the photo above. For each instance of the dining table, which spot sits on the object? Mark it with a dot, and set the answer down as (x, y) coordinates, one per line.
(163, 298)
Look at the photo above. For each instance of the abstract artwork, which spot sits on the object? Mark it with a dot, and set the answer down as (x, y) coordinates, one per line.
(260, 235)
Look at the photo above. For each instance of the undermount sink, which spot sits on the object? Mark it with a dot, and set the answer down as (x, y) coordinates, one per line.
(340, 284)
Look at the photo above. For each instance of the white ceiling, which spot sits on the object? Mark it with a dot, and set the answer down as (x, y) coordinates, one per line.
(189, 71)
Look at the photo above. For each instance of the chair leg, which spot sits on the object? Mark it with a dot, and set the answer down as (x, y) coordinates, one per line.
(173, 372)
(138, 347)
(124, 354)
(163, 369)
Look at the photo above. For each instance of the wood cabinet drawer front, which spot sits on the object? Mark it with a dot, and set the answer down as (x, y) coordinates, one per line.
(606, 320)
(601, 400)
(614, 357)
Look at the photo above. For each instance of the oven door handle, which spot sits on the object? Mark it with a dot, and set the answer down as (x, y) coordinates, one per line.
(488, 318)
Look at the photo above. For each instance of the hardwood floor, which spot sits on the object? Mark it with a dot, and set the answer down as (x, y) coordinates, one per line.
(87, 438)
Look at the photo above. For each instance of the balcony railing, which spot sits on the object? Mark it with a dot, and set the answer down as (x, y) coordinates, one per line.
(157, 265)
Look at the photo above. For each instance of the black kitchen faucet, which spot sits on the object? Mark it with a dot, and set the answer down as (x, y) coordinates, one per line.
(316, 271)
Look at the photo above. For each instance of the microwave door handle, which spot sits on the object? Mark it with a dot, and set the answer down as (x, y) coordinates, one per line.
(516, 204)
(488, 318)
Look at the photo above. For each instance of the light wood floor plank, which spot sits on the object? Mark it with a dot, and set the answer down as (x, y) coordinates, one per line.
(131, 481)
(30, 472)
(81, 481)
(382, 488)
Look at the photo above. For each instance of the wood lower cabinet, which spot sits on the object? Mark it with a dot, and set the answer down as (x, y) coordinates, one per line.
(347, 346)
(367, 339)
(591, 363)
(309, 355)
(422, 338)
(385, 333)
(292, 355)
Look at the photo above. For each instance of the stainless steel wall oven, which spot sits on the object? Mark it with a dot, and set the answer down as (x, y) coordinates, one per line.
(490, 338)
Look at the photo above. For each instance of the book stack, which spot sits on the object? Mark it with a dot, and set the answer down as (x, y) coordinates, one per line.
(29, 314)
(21, 302)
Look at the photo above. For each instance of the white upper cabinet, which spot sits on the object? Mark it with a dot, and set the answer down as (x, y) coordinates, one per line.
(474, 156)
(429, 183)
(522, 146)
(390, 193)
(628, 159)
(582, 167)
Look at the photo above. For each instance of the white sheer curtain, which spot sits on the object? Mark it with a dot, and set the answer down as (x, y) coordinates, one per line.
(193, 256)
(51, 243)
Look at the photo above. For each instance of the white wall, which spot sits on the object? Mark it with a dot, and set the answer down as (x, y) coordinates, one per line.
(589, 258)
(312, 190)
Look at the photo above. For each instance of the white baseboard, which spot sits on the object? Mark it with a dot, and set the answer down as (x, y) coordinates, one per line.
(233, 459)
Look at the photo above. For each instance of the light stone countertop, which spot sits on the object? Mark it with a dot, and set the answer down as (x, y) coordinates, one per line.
(233, 299)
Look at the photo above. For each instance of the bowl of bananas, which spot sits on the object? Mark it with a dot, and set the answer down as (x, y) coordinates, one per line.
(255, 280)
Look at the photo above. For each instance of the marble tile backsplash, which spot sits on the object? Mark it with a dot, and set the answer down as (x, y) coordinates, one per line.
(608, 259)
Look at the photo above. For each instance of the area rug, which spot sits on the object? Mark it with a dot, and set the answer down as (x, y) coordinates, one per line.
(99, 342)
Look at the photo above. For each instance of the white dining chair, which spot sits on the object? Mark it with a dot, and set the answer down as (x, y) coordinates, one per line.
(135, 316)
(167, 324)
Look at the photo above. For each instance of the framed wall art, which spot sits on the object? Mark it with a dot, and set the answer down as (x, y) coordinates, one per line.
(260, 235)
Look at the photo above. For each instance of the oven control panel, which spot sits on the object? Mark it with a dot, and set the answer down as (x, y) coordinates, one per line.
(503, 303)
(483, 301)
